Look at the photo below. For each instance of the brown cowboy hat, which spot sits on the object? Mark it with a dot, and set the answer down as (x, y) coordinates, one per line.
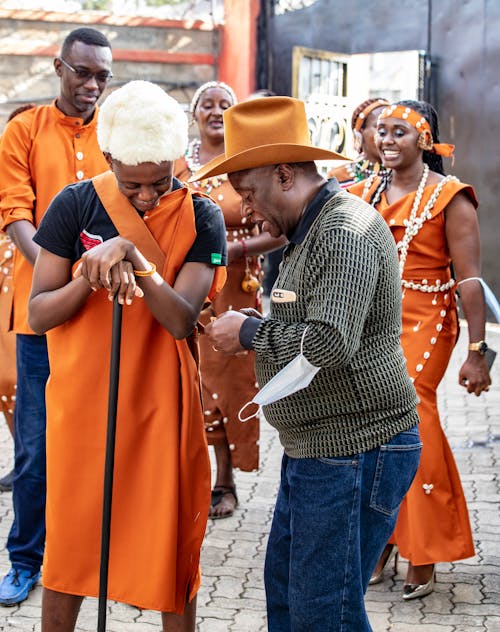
(264, 132)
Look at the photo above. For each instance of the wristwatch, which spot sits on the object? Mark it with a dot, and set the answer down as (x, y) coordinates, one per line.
(481, 347)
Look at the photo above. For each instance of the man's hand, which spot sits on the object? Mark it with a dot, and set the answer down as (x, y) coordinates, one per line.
(224, 333)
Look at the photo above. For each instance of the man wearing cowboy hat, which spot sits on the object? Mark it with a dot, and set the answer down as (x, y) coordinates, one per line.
(330, 366)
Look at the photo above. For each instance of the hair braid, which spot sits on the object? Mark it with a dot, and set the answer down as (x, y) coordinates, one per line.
(385, 179)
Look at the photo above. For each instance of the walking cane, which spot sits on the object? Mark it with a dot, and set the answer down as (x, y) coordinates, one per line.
(114, 374)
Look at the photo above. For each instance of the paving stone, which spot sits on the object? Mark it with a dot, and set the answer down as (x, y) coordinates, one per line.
(210, 624)
(419, 627)
(249, 622)
(467, 593)
(226, 587)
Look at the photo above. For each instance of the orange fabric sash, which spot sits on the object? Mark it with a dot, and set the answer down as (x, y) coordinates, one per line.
(161, 491)
(129, 225)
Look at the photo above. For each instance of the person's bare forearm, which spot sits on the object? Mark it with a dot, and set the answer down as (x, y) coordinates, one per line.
(54, 307)
(21, 233)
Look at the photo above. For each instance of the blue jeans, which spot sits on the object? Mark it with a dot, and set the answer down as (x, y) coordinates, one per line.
(332, 519)
(27, 535)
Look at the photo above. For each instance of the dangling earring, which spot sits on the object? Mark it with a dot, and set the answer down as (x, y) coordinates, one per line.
(424, 141)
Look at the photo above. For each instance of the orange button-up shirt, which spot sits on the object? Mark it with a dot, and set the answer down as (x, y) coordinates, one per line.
(41, 151)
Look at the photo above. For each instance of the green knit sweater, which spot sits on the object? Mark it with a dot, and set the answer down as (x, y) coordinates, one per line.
(346, 279)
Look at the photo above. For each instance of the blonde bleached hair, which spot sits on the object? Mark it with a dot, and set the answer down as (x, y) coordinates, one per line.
(140, 122)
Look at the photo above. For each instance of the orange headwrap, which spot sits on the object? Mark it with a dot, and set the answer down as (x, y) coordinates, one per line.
(421, 124)
(361, 118)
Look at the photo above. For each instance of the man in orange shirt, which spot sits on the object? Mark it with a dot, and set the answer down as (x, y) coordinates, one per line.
(41, 151)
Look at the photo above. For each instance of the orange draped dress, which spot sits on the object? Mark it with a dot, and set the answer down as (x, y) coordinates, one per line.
(229, 382)
(161, 491)
(433, 523)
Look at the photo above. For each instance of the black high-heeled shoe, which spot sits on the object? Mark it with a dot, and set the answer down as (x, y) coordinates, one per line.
(389, 553)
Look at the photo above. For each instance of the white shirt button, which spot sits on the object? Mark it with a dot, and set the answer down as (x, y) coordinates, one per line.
(79, 175)
(79, 155)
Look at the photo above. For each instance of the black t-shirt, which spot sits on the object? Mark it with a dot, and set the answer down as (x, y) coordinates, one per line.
(76, 221)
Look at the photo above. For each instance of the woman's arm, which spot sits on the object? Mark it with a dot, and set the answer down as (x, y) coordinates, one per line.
(175, 307)
(462, 235)
(55, 297)
(256, 245)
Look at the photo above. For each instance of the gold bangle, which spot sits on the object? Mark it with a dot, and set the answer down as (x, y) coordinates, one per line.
(146, 273)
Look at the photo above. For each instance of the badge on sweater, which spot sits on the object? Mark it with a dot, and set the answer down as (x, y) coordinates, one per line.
(283, 296)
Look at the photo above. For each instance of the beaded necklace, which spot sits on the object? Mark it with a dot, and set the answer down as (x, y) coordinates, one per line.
(192, 158)
(413, 224)
(361, 169)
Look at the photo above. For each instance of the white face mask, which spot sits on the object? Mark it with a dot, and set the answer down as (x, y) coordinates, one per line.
(293, 377)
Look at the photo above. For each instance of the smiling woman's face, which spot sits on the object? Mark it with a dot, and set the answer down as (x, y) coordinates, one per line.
(396, 141)
(209, 110)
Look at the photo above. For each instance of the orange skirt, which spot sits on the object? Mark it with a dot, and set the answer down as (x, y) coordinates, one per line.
(433, 523)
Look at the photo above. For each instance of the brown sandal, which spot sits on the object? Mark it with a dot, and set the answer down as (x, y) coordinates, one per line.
(218, 493)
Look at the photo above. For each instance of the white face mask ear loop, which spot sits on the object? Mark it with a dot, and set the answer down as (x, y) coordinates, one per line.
(245, 419)
(302, 340)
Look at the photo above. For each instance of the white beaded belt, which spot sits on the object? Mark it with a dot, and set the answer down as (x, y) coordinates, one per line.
(423, 287)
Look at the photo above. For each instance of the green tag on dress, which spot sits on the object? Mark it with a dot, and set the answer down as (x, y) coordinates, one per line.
(216, 258)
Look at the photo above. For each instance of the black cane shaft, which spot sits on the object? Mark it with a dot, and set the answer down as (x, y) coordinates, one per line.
(114, 374)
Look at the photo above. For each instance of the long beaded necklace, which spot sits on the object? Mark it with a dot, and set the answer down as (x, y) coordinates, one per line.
(413, 224)
(193, 163)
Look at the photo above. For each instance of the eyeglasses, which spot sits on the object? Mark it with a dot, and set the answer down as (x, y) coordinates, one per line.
(86, 75)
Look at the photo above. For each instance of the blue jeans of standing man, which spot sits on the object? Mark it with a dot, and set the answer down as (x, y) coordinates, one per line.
(332, 519)
(27, 535)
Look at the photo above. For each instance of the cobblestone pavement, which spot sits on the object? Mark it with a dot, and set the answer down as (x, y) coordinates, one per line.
(467, 594)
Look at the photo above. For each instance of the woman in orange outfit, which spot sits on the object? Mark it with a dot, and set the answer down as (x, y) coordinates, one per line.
(434, 222)
(228, 382)
(363, 125)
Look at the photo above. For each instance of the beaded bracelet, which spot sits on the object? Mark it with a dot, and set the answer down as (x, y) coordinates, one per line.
(146, 273)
